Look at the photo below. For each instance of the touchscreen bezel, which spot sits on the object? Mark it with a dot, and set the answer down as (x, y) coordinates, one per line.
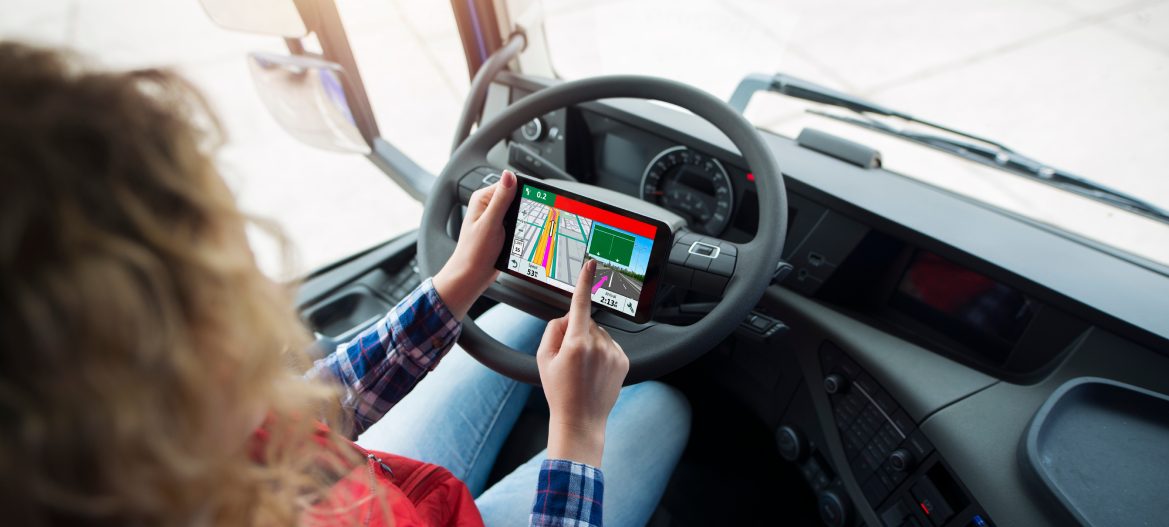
(654, 271)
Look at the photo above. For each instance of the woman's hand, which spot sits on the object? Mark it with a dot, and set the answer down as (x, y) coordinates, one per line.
(581, 369)
(471, 268)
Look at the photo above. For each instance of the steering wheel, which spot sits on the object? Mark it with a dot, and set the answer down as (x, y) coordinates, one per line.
(654, 348)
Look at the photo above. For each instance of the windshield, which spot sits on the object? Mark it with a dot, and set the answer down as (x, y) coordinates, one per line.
(1076, 84)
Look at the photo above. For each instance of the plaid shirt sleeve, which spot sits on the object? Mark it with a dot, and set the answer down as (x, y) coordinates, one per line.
(568, 494)
(383, 363)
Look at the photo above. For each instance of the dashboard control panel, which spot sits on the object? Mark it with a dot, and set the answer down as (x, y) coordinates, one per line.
(903, 478)
(798, 441)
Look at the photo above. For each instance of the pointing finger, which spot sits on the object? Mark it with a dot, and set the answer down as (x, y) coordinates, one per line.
(579, 314)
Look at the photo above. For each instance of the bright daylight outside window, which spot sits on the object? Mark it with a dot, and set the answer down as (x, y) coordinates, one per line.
(1077, 85)
(329, 205)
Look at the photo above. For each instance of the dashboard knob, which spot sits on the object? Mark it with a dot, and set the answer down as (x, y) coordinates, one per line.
(902, 460)
(835, 383)
(534, 130)
(834, 507)
(790, 443)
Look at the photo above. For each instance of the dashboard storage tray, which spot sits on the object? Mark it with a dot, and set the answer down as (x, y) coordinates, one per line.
(1101, 447)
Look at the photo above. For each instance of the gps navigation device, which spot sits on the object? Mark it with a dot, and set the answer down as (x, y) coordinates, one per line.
(550, 233)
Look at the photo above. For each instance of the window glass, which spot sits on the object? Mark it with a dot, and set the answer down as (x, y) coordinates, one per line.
(328, 205)
(1073, 83)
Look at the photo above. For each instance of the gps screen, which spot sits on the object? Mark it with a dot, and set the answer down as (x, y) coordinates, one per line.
(554, 235)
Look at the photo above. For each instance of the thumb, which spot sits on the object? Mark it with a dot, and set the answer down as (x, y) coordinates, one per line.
(501, 198)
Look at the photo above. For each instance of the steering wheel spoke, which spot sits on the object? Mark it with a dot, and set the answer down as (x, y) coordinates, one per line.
(700, 263)
(475, 179)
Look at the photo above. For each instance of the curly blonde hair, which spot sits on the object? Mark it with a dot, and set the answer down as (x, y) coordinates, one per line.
(141, 343)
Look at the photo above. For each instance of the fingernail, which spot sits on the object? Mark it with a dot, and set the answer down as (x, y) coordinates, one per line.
(508, 179)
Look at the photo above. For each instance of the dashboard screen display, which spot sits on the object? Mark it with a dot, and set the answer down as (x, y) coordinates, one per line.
(554, 234)
(966, 306)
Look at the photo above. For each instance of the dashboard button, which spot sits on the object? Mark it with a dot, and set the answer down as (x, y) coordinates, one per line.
(903, 423)
(687, 238)
(705, 249)
(708, 283)
(759, 323)
(902, 460)
(896, 476)
(790, 443)
(724, 265)
(842, 416)
(931, 501)
(472, 181)
(854, 442)
(834, 508)
(888, 436)
(835, 383)
(697, 261)
(870, 420)
(887, 480)
(533, 130)
(678, 253)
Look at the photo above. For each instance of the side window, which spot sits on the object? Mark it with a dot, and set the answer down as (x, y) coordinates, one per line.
(328, 205)
(412, 63)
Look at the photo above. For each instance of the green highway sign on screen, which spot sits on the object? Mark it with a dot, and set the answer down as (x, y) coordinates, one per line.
(540, 196)
(611, 245)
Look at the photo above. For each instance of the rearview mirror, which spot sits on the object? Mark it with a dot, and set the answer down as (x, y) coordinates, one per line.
(268, 17)
(307, 97)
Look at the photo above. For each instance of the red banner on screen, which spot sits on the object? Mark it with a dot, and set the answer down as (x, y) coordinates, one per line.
(611, 219)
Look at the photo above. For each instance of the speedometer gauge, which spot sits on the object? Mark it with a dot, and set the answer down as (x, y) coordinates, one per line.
(692, 184)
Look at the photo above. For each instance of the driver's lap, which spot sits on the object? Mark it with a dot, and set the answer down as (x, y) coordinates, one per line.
(461, 414)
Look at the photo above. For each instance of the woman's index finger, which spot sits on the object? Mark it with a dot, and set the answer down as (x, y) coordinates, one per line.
(579, 313)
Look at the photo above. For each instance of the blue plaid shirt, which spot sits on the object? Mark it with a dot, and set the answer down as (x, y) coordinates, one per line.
(383, 363)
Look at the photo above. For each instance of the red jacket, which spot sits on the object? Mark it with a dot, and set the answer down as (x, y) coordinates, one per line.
(412, 493)
(416, 494)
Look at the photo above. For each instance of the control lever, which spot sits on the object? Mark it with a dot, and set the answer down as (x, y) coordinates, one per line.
(755, 326)
(782, 269)
(758, 326)
(524, 158)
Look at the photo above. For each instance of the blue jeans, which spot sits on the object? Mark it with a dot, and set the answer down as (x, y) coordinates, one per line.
(461, 413)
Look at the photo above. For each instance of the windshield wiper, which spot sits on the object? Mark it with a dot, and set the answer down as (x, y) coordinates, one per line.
(1013, 162)
(978, 149)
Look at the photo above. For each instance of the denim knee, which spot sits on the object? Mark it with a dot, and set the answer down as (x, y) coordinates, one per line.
(662, 407)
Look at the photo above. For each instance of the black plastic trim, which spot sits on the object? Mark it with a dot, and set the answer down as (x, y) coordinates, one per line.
(918, 213)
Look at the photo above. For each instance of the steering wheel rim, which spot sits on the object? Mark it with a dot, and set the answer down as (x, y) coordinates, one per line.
(655, 348)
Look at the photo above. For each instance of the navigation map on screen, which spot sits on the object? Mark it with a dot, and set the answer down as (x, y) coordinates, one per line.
(554, 236)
